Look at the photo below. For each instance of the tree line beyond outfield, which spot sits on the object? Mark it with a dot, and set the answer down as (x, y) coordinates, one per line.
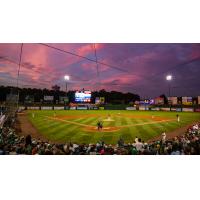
(113, 97)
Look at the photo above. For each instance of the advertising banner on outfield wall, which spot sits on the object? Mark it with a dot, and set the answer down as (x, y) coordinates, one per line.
(33, 108)
(82, 108)
(187, 100)
(187, 109)
(58, 108)
(94, 108)
(173, 100)
(165, 109)
(142, 108)
(130, 108)
(197, 110)
(176, 109)
(46, 108)
(21, 107)
(155, 109)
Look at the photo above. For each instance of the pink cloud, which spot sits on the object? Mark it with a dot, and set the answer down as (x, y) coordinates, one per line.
(89, 48)
(195, 51)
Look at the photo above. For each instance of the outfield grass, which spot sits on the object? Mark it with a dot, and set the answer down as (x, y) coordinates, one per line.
(73, 124)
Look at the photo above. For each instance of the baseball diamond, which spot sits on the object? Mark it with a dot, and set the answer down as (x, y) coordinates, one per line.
(80, 126)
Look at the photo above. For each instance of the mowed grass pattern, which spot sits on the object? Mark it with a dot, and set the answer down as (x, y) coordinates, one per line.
(63, 131)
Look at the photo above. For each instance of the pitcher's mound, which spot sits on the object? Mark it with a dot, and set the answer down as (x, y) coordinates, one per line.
(105, 129)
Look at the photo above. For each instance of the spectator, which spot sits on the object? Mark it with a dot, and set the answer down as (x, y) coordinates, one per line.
(163, 137)
(186, 144)
(121, 142)
(139, 145)
(28, 140)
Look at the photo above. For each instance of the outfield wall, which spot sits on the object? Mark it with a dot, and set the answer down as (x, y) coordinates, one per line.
(140, 108)
(115, 107)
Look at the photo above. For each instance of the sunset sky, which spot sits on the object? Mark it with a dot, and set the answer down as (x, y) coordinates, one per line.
(137, 68)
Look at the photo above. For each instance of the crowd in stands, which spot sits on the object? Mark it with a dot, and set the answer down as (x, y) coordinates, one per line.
(2, 119)
(186, 144)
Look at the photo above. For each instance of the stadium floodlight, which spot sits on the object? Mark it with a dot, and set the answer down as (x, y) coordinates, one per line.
(66, 77)
(169, 77)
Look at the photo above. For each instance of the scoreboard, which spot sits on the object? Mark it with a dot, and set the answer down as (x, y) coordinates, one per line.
(83, 96)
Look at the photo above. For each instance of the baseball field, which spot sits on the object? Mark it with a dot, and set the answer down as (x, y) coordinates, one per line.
(80, 126)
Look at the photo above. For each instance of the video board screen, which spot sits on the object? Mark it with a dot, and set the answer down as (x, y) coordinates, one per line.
(83, 96)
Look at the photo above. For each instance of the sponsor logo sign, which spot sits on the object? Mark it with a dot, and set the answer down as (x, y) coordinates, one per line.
(72, 108)
(21, 108)
(33, 108)
(188, 109)
(82, 108)
(173, 100)
(58, 108)
(46, 108)
(130, 108)
(165, 109)
(159, 101)
(141, 108)
(155, 109)
(187, 100)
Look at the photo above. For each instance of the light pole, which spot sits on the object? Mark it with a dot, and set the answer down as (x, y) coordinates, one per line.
(169, 78)
(66, 77)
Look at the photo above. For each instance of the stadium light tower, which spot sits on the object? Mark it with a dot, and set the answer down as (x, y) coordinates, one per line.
(66, 77)
(169, 78)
